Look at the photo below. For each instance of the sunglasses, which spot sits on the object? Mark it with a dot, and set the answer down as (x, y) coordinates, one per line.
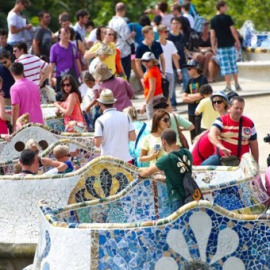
(67, 155)
(110, 34)
(146, 61)
(166, 120)
(66, 84)
(165, 31)
(217, 101)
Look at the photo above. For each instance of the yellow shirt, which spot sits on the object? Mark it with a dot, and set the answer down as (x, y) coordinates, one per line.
(209, 115)
(110, 60)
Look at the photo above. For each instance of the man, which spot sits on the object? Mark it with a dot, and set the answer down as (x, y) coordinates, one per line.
(8, 80)
(42, 40)
(124, 36)
(35, 69)
(174, 168)
(82, 17)
(29, 162)
(25, 97)
(171, 57)
(64, 56)
(224, 40)
(149, 45)
(224, 134)
(17, 26)
(185, 11)
(3, 41)
(114, 129)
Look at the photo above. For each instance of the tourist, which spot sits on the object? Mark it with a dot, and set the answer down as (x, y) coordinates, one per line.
(29, 162)
(152, 82)
(192, 95)
(61, 153)
(185, 11)
(122, 90)
(151, 149)
(82, 17)
(70, 106)
(225, 135)
(42, 40)
(4, 46)
(114, 129)
(25, 97)
(225, 41)
(169, 164)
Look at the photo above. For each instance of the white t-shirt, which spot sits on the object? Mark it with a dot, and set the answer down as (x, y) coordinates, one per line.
(190, 19)
(114, 127)
(13, 19)
(92, 36)
(168, 50)
(166, 20)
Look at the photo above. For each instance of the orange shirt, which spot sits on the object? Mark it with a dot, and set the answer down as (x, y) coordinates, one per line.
(118, 62)
(153, 72)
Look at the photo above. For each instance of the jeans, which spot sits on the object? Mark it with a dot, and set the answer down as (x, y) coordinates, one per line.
(126, 63)
(175, 205)
(196, 121)
(170, 77)
(213, 160)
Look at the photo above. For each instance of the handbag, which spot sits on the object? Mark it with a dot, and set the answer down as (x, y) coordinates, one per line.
(182, 137)
(233, 160)
(165, 87)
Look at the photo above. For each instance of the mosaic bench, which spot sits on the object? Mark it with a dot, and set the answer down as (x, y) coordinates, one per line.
(199, 235)
(43, 135)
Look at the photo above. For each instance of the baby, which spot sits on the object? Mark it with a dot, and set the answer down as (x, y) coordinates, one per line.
(61, 153)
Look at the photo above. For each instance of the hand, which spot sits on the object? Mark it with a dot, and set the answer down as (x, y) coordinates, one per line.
(225, 151)
(214, 49)
(237, 45)
(156, 154)
(133, 34)
(6, 137)
(142, 110)
(179, 74)
(28, 26)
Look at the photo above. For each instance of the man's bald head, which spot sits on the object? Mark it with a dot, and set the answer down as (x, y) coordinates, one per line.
(120, 7)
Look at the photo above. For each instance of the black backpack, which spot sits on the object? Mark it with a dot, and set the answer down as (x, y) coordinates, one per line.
(193, 41)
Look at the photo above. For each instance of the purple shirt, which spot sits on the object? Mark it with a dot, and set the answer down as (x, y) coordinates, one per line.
(64, 58)
(122, 91)
(26, 94)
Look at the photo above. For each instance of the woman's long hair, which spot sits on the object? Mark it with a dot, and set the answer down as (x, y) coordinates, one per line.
(158, 115)
(74, 87)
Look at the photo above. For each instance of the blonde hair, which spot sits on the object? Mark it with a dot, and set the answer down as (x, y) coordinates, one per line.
(60, 151)
(32, 143)
(23, 119)
(161, 28)
(146, 29)
(132, 112)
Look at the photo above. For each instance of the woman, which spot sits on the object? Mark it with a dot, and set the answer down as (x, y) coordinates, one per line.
(151, 149)
(3, 118)
(121, 89)
(203, 148)
(152, 82)
(108, 40)
(70, 107)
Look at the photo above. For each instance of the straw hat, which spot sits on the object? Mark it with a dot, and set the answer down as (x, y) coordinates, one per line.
(102, 73)
(106, 97)
(104, 49)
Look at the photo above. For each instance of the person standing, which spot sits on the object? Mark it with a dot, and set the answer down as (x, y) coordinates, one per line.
(42, 40)
(114, 129)
(3, 41)
(174, 165)
(82, 17)
(17, 26)
(224, 42)
(25, 97)
(124, 36)
(65, 58)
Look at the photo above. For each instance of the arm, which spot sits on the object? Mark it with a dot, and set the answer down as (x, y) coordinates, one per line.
(93, 102)
(149, 171)
(254, 150)
(145, 158)
(15, 114)
(235, 35)
(98, 141)
(152, 86)
(175, 58)
(139, 67)
(132, 135)
(213, 137)
(162, 63)
(79, 67)
(15, 30)
(35, 46)
(190, 98)
(71, 100)
(45, 74)
(51, 68)
(213, 41)
(2, 109)
(60, 166)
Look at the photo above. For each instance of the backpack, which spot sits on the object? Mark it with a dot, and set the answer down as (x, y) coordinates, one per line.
(193, 41)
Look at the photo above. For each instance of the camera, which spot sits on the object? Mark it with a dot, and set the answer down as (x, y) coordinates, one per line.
(267, 138)
(157, 147)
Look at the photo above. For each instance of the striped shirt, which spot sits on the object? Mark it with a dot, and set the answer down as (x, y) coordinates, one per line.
(32, 66)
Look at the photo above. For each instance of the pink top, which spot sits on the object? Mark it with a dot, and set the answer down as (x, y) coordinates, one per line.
(26, 94)
(76, 115)
(3, 127)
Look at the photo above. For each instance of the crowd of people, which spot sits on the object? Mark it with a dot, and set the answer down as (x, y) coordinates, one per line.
(89, 67)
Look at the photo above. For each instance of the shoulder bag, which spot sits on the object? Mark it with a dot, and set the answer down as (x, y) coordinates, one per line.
(182, 137)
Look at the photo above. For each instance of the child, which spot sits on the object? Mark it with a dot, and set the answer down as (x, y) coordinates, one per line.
(192, 95)
(61, 153)
(89, 103)
(209, 115)
(22, 120)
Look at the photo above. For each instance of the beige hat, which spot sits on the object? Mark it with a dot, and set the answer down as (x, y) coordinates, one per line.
(104, 49)
(106, 97)
(102, 73)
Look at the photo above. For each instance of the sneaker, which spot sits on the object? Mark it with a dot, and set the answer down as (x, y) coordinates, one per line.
(238, 87)
(227, 89)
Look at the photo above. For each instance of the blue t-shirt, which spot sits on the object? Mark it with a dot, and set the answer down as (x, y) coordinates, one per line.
(70, 167)
(8, 80)
(180, 42)
(138, 30)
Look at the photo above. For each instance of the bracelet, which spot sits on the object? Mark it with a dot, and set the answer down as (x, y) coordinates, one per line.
(178, 70)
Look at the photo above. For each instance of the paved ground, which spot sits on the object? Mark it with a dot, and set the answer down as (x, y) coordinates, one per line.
(257, 96)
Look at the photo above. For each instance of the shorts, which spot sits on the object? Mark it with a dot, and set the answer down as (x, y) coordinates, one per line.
(227, 60)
